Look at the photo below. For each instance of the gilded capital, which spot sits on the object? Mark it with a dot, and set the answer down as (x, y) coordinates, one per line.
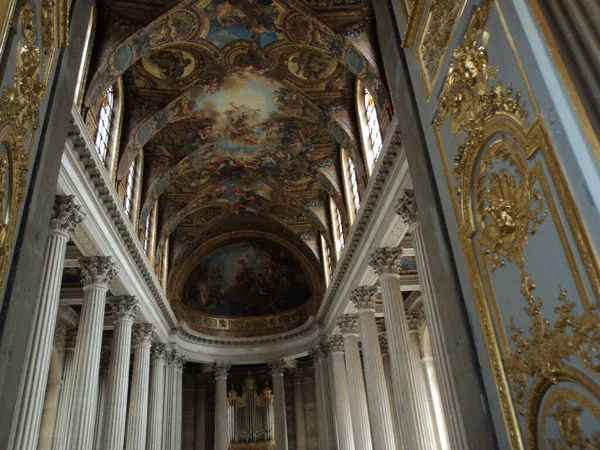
(158, 352)
(66, 214)
(407, 207)
(335, 344)
(348, 323)
(364, 296)
(277, 367)
(97, 270)
(125, 307)
(221, 370)
(386, 260)
(143, 333)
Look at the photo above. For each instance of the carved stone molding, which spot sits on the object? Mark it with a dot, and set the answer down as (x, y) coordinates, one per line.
(142, 333)
(125, 307)
(97, 270)
(158, 352)
(66, 214)
(385, 261)
(407, 207)
(348, 324)
(277, 367)
(221, 370)
(364, 296)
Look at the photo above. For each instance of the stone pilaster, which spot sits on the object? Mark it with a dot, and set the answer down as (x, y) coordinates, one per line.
(325, 427)
(361, 426)
(335, 346)
(200, 423)
(221, 437)
(382, 425)
(66, 214)
(97, 273)
(124, 310)
(300, 418)
(407, 209)
(281, 441)
(156, 401)
(137, 417)
(61, 434)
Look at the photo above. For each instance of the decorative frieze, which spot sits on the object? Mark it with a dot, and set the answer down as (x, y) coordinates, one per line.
(97, 270)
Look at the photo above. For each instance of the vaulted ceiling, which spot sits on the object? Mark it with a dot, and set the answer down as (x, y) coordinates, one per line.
(238, 109)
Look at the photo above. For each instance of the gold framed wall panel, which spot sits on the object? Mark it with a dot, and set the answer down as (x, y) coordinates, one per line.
(505, 183)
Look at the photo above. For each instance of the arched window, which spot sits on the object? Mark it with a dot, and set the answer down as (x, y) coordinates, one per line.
(371, 129)
(350, 184)
(129, 187)
(327, 263)
(338, 230)
(104, 123)
(146, 235)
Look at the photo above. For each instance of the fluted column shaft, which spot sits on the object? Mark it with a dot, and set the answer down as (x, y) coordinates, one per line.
(361, 425)
(435, 401)
(200, 428)
(26, 428)
(66, 395)
(301, 438)
(172, 402)
(221, 436)
(390, 386)
(341, 394)
(137, 417)
(101, 403)
(178, 422)
(115, 418)
(157, 397)
(323, 401)
(281, 440)
(97, 274)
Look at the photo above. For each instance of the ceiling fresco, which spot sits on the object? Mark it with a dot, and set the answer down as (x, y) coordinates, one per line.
(238, 110)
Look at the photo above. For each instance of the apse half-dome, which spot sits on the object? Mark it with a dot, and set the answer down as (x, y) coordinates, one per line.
(247, 286)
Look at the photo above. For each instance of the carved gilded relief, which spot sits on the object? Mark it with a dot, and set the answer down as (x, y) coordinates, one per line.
(412, 10)
(441, 20)
(508, 187)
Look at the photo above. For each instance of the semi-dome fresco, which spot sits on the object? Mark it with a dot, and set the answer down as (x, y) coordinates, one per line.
(246, 278)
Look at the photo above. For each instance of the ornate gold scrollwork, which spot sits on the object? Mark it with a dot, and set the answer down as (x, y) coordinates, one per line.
(19, 109)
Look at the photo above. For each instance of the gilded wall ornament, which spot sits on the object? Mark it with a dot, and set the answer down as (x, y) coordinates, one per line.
(549, 346)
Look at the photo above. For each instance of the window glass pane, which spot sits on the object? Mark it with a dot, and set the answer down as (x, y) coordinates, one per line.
(353, 184)
(147, 233)
(129, 184)
(374, 132)
(338, 231)
(104, 123)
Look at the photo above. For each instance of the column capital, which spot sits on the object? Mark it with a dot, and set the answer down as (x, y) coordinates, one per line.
(364, 297)
(277, 367)
(97, 270)
(298, 375)
(221, 370)
(415, 319)
(335, 344)
(407, 207)
(60, 336)
(71, 339)
(348, 323)
(386, 261)
(315, 353)
(124, 307)
(174, 359)
(158, 352)
(104, 358)
(66, 214)
(142, 333)
(383, 344)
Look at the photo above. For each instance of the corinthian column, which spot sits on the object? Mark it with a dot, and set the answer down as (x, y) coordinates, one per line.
(157, 397)
(385, 355)
(301, 438)
(281, 441)
(200, 429)
(407, 209)
(61, 433)
(97, 273)
(335, 346)
(137, 417)
(325, 427)
(221, 436)
(178, 402)
(124, 309)
(25, 431)
(348, 324)
(172, 405)
(382, 424)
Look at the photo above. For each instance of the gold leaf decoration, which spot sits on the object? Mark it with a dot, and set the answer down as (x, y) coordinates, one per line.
(548, 346)
(508, 208)
(568, 419)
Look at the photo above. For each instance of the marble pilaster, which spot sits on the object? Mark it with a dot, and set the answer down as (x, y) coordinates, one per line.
(281, 440)
(156, 402)
(97, 273)
(323, 401)
(221, 436)
(200, 422)
(137, 416)
(407, 209)
(361, 426)
(300, 418)
(66, 214)
(335, 346)
(382, 425)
